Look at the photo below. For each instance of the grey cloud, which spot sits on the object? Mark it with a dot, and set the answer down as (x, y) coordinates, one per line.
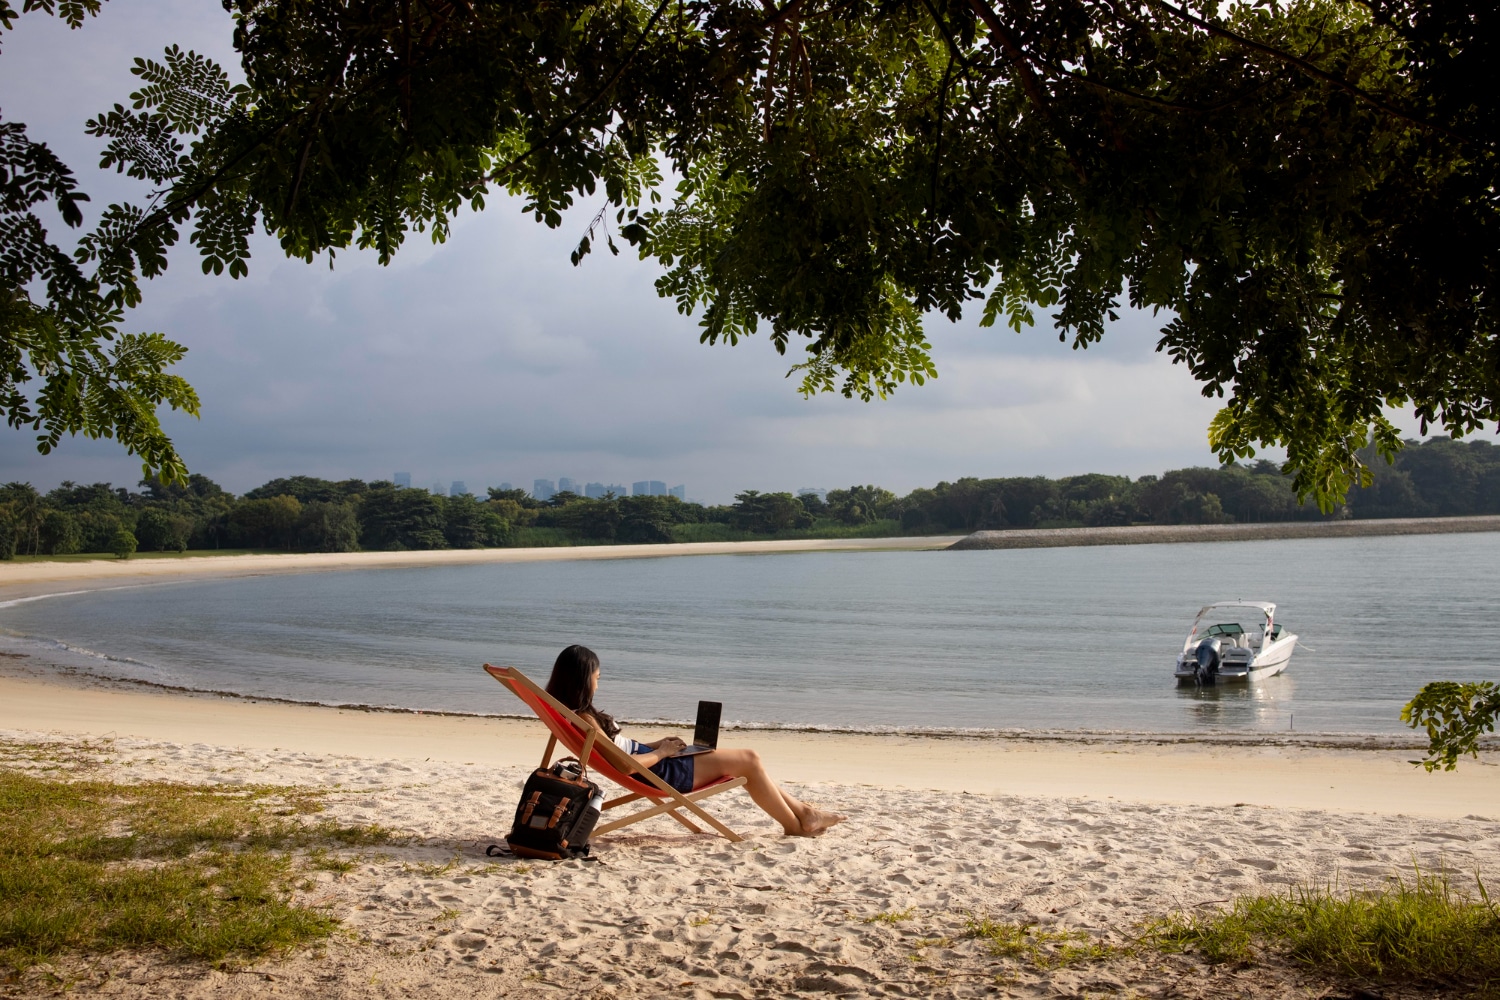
(491, 358)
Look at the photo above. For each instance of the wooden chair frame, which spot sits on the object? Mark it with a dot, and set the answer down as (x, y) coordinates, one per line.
(596, 751)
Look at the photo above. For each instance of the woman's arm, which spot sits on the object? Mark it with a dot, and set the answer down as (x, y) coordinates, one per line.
(660, 751)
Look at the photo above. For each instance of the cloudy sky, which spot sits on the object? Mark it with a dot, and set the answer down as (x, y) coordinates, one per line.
(492, 359)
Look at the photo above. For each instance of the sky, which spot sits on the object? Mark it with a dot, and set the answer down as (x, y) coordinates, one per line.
(492, 359)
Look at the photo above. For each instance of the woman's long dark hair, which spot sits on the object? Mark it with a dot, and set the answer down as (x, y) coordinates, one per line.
(569, 684)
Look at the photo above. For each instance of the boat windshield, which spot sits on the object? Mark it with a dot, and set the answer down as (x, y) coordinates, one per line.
(1230, 628)
(1236, 624)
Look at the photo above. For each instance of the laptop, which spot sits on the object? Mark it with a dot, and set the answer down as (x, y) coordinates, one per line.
(706, 732)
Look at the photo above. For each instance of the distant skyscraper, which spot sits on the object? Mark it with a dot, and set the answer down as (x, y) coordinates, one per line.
(594, 491)
(402, 479)
(820, 493)
(542, 489)
(566, 485)
(649, 488)
(680, 492)
(618, 489)
(458, 488)
(506, 486)
(658, 488)
(437, 490)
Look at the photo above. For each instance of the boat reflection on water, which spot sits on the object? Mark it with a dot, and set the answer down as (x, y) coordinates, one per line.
(1265, 705)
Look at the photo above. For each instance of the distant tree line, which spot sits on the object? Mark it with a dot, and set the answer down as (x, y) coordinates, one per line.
(1437, 478)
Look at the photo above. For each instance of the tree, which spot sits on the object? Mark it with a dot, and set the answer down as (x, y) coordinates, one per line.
(648, 520)
(123, 544)
(309, 489)
(1300, 187)
(61, 534)
(95, 380)
(7, 532)
(392, 518)
(598, 520)
(324, 526)
(159, 530)
(269, 523)
(768, 513)
(27, 513)
(466, 523)
(860, 504)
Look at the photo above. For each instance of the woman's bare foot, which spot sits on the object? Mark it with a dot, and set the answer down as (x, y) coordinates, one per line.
(816, 822)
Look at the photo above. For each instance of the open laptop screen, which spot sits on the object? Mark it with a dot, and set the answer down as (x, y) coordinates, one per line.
(706, 733)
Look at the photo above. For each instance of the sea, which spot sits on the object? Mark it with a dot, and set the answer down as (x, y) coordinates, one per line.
(1059, 640)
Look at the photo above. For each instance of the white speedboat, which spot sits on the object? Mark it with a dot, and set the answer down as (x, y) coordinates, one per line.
(1234, 641)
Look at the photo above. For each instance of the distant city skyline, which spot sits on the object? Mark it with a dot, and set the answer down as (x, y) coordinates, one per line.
(491, 357)
(545, 489)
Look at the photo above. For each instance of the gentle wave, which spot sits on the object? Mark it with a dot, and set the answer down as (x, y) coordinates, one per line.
(1002, 644)
(1352, 740)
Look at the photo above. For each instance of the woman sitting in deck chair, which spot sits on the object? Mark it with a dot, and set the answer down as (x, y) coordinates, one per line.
(575, 678)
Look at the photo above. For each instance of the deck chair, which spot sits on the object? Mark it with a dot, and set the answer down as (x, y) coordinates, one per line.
(600, 754)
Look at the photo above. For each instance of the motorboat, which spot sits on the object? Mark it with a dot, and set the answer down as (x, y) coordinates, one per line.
(1234, 641)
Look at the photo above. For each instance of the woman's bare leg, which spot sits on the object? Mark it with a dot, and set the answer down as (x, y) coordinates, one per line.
(796, 817)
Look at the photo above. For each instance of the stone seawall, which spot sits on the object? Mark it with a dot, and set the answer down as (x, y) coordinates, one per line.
(1153, 534)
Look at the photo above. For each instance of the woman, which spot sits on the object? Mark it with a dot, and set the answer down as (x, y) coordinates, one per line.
(575, 678)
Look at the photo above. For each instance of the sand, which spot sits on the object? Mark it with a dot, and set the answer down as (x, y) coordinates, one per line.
(27, 578)
(1071, 835)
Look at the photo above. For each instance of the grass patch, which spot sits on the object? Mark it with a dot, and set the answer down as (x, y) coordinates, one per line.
(201, 872)
(1421, 930)
(823, 529)
(890, 917)
(1042, 948)
(110, 556)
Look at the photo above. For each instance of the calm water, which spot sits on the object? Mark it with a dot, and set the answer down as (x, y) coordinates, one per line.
(1072, 639)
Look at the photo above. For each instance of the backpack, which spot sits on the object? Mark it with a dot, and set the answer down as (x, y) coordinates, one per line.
(559, 807)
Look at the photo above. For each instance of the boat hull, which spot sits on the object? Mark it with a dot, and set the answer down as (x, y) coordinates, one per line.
(1270, 662)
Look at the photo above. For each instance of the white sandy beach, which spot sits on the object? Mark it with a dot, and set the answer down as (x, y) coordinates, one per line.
(1090, 834)
(1093, 836)
(18, 580)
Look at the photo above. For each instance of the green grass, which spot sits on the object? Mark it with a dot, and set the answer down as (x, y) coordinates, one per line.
(1417, 931)
(890, 917)
(1043, 948)
(202, 873)
(825, 529)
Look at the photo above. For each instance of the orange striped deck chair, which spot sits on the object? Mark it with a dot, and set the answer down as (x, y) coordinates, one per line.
(599, 754)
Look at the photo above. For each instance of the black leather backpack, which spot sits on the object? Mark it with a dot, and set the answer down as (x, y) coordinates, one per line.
(558, 810)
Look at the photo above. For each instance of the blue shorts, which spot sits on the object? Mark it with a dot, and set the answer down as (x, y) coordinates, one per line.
(675, 771)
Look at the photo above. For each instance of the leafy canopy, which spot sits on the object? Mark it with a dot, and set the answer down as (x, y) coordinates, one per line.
(1302, 189)
(1455, 717)
(60, 312)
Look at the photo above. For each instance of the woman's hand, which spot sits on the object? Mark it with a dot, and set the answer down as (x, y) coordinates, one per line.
(668, 745)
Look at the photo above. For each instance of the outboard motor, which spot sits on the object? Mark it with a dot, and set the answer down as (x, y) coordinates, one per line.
(1207, 670)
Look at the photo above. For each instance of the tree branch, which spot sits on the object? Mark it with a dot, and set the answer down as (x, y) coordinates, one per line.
(1309, 69)
(577, 113)
(1011, 46)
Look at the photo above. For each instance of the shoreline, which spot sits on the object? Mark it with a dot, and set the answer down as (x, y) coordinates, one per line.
(83, 679)
(1346, 779)
(39, 578)
(23, 580)
(1166, 534)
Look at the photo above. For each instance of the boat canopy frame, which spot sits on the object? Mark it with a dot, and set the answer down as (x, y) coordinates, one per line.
(1266, 609)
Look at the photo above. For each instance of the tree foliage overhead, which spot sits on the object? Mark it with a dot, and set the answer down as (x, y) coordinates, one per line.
(1304, 190)
(1455, 717)
(60, 312)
